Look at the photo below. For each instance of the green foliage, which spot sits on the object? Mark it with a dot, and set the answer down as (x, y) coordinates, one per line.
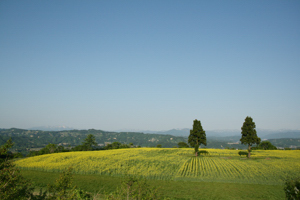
(134, 189)
(201, 152)
(241, 153)
(182, 145)
(50, 148)
(79, 148)
(12, 184)
(117, 145)
(29, 139)
(41, 196)
(62, 188)
(249, 135)
(4, 153)
(292, 189)
(286, 142)
(62, 184)
(80, 194)
(159, 146)
(197, 136)
(89, 142)
(18, 155)
(266, 145)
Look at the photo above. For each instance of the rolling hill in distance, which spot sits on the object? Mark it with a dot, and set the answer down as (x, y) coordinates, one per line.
(26, 139)
(184, 132)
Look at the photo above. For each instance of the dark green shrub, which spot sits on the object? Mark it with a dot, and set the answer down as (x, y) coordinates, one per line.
(133, 188)
(80, 194)
(266, 145)
(183, 145)
(203, 152)
(292, 189)
(241, 153)
(62, 188)
(12, 184)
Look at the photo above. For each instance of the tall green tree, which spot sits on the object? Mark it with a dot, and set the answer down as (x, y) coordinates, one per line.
(249, 135)
(89, 142)
(197, 136)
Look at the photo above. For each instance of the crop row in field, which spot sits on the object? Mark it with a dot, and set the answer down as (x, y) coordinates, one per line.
(267, 167)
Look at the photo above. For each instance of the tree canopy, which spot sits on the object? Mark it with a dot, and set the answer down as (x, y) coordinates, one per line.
(266, 145)
(182, 145)
(89, 142)
(249, 135)
(12, 184)
(197, 136)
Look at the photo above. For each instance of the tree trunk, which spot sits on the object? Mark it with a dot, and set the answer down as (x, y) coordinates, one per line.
(249, 149)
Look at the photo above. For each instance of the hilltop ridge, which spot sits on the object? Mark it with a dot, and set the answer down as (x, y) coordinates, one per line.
(26, 140)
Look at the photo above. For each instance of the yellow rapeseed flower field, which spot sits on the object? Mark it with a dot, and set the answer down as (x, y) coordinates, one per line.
(267, 167)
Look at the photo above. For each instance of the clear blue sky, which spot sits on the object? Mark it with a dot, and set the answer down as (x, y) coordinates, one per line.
(153, 65)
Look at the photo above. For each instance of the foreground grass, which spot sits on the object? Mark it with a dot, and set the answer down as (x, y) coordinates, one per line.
(169, 189)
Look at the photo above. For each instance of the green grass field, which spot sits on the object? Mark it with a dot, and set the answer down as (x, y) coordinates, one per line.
(167, 189)
(222, 174)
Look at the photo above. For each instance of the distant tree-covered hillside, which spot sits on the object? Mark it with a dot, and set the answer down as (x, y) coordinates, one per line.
(30, 139)
(286, 142)
(26, 140)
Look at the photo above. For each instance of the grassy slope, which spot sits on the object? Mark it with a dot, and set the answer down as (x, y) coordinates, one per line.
(171, 189)
(266, 167)
(219, 181)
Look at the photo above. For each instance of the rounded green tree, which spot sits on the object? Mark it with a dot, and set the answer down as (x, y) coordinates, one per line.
(249, 135)
(197, 136)
(182, 145)
(266, 145)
